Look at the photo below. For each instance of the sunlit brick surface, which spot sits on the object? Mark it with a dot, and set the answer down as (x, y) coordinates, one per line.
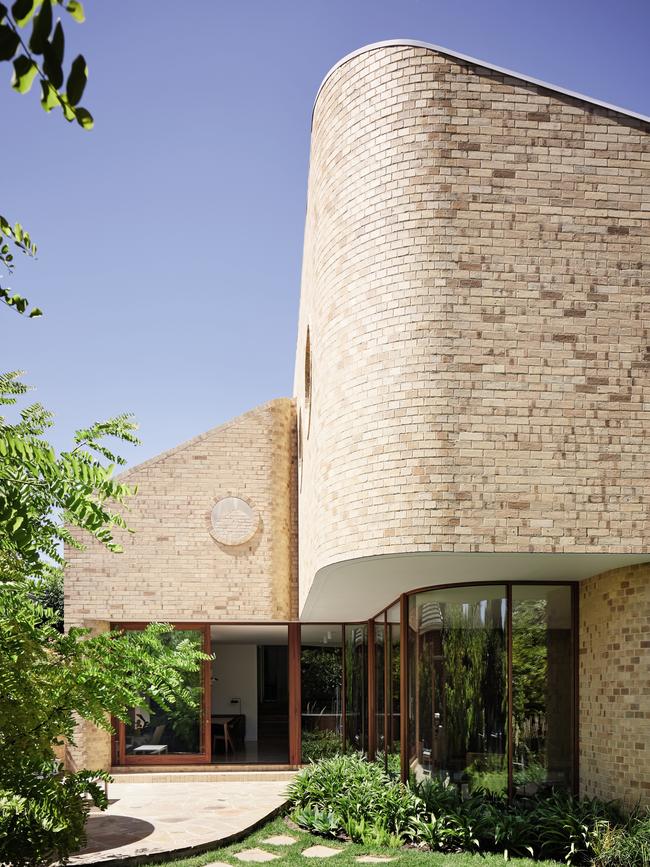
(172, 568)
(475, 280)
(615, 685)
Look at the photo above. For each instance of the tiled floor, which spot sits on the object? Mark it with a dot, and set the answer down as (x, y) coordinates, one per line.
(162, 817)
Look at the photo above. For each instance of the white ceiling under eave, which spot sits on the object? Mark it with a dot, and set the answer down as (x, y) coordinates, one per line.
(357, 589)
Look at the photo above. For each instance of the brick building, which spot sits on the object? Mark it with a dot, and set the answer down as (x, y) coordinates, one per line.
(437, 548)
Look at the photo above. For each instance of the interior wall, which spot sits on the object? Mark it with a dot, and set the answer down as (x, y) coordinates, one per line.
(235, 670)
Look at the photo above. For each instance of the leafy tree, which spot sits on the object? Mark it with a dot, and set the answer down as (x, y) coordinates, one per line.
(38, 54)
(48, 592)
(49, 679)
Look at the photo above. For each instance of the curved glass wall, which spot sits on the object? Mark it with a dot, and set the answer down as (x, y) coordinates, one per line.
(462, 708)
(356, 687)
(542, 687)
(458, 685)
(380, 688)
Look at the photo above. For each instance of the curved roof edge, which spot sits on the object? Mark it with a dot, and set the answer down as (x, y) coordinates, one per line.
(416, 43)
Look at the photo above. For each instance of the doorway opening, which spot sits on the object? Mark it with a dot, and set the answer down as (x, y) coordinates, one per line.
(249, 694)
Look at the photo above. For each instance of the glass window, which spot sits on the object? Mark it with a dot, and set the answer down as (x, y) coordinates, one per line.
(154, 732)
(458, 692)
(356, 690)
(380, 688)
(321, 671)
(542, 687)
(393, 697)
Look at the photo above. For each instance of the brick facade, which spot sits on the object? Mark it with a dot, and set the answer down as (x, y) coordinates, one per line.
(477, 257)
(615, 685)
(172, 568)
(476, 264)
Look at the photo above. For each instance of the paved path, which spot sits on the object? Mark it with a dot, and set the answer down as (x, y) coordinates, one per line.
(151, 818)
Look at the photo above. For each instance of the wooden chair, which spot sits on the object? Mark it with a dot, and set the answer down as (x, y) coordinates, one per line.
(225, 737)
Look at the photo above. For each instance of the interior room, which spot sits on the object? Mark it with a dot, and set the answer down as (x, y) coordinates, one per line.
(250, 694)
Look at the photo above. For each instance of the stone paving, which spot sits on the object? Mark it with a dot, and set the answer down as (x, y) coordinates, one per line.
(149, 819)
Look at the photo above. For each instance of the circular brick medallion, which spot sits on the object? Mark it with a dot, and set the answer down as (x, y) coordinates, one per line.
(234, 521)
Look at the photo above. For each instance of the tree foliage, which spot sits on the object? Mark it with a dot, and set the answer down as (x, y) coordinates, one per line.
(49, 679)
(41, 491)
(34, 43)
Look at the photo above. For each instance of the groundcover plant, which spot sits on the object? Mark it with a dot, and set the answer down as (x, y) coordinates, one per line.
(345, 853)
(349, 798)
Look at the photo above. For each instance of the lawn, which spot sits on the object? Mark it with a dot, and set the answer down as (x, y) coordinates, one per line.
(290, 856)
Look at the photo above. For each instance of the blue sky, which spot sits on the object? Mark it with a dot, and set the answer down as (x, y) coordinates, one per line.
(170, 237)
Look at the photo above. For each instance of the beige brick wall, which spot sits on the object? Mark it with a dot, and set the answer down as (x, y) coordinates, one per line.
(172, 568)
(615, 685)
(92, 746)
(475, 276)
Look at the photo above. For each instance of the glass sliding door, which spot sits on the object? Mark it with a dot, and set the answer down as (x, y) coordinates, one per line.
(177, 734)
(321, 689)
(542, 687)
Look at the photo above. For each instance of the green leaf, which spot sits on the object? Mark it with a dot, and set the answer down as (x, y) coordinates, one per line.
(68, 111)
(84, 118)
(76, 9)
(24, 73)
(36, 311)
(41, 28)
(53, 56)
(49, 96)
(9, 42)
(3, 11)
(22, 10)
(77, 80)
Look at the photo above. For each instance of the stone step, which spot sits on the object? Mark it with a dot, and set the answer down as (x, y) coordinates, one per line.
(122, 775)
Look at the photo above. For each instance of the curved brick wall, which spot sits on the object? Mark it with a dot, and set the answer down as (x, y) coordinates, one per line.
(475, 283)
(615, 685)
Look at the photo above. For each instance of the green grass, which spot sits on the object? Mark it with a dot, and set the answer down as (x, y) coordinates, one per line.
(291, 857)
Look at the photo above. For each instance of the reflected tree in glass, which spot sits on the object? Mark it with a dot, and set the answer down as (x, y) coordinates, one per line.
(356, 690)
(542, 669)
(152, 730)
(458, 667)
(321, 670)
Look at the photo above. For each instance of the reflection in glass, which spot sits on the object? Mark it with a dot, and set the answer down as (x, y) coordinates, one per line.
(356, 671)
(393, 697)
(380, 739)
(153, 731)
(542, 682)
(458, 686)
(321, 671)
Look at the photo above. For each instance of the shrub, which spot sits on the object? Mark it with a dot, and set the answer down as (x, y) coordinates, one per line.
(624, 846)
(347, 796)
(44, 818)
(358, 798)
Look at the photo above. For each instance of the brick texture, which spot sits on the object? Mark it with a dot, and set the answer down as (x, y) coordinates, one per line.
(615, 685)
(476, 264)
(172, 568)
